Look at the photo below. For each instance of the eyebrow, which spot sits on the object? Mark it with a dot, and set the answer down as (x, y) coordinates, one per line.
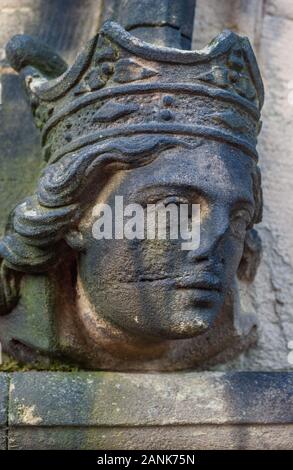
(165, 188)
(187, 189)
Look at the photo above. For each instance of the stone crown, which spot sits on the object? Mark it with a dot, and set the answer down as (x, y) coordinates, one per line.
(120, 85)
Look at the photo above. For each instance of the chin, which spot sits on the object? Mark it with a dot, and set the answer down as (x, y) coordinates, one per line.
(186, 325)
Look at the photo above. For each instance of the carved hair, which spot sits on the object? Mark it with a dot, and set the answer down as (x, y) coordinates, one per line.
(35, 235)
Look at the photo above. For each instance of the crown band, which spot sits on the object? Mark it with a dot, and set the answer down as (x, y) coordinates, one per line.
(158, 128)
(197, 90)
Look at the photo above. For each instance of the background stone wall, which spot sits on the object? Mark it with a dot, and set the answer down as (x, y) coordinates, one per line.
(67, 24)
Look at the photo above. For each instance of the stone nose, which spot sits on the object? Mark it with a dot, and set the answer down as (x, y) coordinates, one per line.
(212, 232)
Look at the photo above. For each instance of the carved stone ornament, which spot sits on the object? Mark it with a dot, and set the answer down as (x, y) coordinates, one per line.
(150, 124)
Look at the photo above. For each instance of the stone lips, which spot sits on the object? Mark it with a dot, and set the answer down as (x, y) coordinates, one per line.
(121, 86)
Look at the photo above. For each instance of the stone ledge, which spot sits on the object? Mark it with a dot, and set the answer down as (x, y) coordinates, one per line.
(104, 410)
(201, 437)
(129, 399)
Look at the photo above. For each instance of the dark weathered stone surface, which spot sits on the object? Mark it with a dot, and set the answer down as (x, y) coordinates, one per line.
(4, 386)
(24, 50)
(116, 410)
(32, 322)
(164, 22)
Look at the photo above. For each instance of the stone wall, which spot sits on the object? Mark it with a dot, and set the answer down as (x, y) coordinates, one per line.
(66, 24)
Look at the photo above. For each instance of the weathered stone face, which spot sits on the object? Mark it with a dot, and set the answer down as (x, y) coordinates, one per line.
(153, 288)
(155, 126)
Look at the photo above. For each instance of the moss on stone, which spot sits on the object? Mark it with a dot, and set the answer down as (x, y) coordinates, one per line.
(11, 365)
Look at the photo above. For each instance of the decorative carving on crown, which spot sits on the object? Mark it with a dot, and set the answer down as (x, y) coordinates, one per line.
(118, 77)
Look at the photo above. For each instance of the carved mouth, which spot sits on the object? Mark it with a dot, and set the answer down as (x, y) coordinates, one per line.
(202, 281)
(207, 282)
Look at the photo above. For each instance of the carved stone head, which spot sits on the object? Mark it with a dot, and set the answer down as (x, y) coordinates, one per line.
(154, 125)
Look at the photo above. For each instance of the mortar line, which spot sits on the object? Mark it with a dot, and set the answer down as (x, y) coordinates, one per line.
(7, 414)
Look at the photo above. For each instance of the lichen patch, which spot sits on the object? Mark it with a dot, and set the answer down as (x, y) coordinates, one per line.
(28, 414)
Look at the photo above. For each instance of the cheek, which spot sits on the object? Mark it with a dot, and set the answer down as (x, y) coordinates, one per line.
(158, 256)
(126, 260)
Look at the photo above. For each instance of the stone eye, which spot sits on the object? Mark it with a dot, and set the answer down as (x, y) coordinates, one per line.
(176, 200)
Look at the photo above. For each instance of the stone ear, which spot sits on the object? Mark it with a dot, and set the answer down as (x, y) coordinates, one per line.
(75, 240)
(251, 256)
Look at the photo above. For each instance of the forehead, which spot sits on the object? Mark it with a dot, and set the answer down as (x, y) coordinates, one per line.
(212, 169)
